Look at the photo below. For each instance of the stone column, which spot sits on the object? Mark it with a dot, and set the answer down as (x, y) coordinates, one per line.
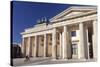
(65, 43)
(85, 31)
(35, 46)
(87, 43)
(45, 43)
(28, 47)
(32, 46)
(81, 54)
(23, 46)
(54, 43)
(30, 50)
(69, 45)
(60, 35)
(94, 39)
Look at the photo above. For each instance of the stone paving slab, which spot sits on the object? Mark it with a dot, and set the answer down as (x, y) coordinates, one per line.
(21, 61)
(63, 61)
(44, 61)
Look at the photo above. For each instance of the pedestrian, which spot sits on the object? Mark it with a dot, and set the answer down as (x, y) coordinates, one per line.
(27, 58)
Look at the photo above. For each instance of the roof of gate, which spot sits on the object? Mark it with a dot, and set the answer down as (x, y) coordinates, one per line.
(72, 11)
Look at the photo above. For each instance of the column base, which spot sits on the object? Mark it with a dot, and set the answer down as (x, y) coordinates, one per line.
(82, 58)
(64, 57)
(44, 57)
(54, 59)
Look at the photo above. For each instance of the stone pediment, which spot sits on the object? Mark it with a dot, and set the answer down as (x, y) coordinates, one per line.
(72, 11)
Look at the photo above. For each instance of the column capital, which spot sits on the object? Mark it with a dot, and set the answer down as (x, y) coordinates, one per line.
(54, 29)
(95, 20)
(29, 36)
(80, 23)
(45, 35)
(65, 26)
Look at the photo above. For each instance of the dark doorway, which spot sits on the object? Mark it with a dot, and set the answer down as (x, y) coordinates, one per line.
(90, 33)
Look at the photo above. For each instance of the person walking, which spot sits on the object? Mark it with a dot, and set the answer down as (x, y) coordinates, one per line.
(27, 58)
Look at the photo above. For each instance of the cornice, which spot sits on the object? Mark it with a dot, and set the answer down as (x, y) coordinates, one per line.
(73, 8)
(75, 16)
